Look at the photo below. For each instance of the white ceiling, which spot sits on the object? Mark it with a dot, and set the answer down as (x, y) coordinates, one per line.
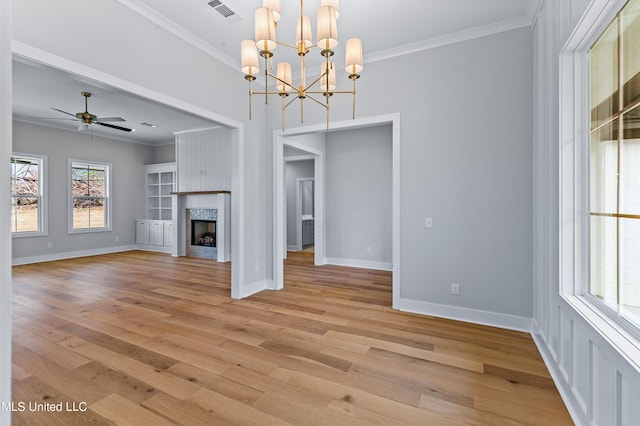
(387, 29)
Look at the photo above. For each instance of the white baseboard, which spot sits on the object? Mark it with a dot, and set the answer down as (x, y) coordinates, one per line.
(70, 255)
(292, 248)
(160, 249)
(356, 263)
(511, 322)
(253, 288)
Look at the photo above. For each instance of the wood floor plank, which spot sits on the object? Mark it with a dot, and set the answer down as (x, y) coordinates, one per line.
(146, 338)
(121, 411)
(234, 411)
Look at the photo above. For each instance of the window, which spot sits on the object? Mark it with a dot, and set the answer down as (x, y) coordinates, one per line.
(89, 197)
(614, 166)
(28, 206)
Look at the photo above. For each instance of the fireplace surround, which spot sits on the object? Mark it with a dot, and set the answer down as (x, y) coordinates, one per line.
(201, 232)
(212, 211)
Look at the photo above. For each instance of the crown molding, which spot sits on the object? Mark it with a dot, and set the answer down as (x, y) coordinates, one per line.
(180, 32)
(470, 34)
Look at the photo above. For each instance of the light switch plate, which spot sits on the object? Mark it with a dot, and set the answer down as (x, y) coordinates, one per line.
(428, 222)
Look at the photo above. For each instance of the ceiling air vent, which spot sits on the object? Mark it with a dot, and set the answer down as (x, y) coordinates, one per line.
(229, 15)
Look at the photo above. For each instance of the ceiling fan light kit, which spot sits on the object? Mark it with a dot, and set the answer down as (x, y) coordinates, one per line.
(266, 19)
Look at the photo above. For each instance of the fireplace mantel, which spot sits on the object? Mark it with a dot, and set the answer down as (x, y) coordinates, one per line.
(200, 192)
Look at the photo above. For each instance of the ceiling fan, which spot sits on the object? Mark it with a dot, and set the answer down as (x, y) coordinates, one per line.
(87, 118)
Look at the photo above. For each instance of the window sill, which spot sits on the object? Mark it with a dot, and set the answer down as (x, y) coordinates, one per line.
(88, 230)
(28, 234)
(621, 340)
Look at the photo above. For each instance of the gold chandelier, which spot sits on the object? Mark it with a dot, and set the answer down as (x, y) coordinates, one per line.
(266, 19)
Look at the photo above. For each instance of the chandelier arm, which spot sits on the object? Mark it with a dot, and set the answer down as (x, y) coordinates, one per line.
(317, 101)
(281, 81)
(282, 43)
(317, 80)
(340, 92)
(289, 103)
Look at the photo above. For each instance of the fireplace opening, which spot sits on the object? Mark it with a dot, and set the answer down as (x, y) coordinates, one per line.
(203, 233)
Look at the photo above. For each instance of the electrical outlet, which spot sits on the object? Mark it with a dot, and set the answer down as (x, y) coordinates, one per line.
(367, 249)
(428, 222)
(117, 238)
(455, 289)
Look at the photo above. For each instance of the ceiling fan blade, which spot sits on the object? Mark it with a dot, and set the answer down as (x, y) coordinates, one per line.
(53, 118)
(110, 119)
(64, 112)
(113, 126)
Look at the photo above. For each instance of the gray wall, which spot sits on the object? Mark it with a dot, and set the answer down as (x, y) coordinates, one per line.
(359, 194)
(294, 170)
(164, 154)
(127, 180)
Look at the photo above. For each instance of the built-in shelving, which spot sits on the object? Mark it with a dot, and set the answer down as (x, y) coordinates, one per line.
(161, 183)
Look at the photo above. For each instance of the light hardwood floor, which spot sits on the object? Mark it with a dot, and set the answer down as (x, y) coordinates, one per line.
(147, 339)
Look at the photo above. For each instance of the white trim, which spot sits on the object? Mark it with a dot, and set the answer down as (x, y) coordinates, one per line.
(71, 255)
(158, 249)
(358, 263)
(292, 248)
(469, 34)
(298, 158)
(180, 32)
(527, 19)
(22, 50)
(475, 316)
(254, 287)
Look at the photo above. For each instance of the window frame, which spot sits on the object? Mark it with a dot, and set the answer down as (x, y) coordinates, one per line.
(43, 212)
(574, 183)
(108, 199)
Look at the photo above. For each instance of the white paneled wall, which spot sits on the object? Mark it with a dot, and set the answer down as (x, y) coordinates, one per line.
(598, 383)
(203, 160)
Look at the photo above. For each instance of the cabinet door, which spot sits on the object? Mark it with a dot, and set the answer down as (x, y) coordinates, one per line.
(155, 233)
(142, 232)
(168, 234)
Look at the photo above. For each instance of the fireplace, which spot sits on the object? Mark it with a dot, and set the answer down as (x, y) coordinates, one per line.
(201, 232)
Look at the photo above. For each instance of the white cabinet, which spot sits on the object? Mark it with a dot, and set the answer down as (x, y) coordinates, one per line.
(167, 234)
(154, 234)
(142, 232)
(161, 182)
(204, 160)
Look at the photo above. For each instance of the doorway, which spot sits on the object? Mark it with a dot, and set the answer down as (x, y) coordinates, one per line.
(292, 138)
